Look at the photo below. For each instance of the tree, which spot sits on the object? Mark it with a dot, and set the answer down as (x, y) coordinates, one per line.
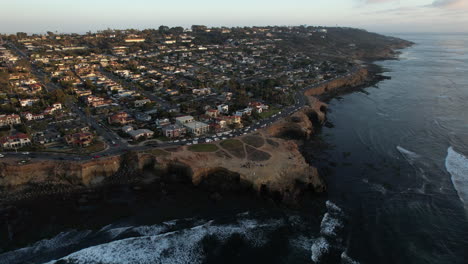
(21, 35)
(87, 111)
(59, 96)
(163, 29)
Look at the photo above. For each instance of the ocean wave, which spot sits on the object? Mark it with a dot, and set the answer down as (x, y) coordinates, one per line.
(45, 246)
(331, 207)
(407, 154)
(457, 165)
(329, 243)
(319, 249)
(345, 259)
(162, 244)
(330, 225)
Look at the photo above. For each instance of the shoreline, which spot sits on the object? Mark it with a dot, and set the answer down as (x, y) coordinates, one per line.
(313, 116)
(144, 179)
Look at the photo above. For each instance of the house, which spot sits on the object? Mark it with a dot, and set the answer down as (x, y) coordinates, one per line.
(245, 111)
(174, 131)
(46, 137)
(27, 102)
(182, 120)
(223, 108)
(15, 142)
(231, 119)
(201, 91)
(134, 40)
(127, 129)
(57, 106)
(29, 116)
(82, 139)
(140, 103)
(162, 122)
(142, 117)
(96, 101)
(197, 128)
(213, 113)
(120, 118)
(258, 107)
(6, 120)
(137, 134)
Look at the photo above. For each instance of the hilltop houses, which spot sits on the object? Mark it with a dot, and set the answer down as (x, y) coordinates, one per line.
(15, 142)
(7, 120)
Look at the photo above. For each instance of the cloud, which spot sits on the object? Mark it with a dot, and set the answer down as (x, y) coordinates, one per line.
(452, 4)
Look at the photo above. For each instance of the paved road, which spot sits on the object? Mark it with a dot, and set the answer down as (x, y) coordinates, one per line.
(165, 104)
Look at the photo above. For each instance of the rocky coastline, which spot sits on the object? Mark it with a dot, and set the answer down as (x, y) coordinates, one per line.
(267, 161)
(264, 167)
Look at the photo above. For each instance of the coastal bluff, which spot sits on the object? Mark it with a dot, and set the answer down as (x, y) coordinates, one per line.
(267, 161)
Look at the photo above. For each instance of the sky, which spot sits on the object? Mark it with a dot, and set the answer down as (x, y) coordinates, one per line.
(79, 16)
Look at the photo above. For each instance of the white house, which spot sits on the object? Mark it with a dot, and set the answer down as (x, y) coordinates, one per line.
(223, 108)
(245, 111)
(137, 134)
(182, 120)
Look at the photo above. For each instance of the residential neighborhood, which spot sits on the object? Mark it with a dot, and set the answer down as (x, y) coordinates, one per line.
(118, 89)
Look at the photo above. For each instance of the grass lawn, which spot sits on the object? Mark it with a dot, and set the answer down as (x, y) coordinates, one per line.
(255, 141)
(157, 152)
(96, 147)
(203, 148)
(269, 113)
(234, 146)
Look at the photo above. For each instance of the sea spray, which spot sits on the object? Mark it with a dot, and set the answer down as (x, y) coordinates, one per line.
(328, 247)
(457, 165)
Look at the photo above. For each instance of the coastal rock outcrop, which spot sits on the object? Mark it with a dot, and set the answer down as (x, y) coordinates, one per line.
(268, 162)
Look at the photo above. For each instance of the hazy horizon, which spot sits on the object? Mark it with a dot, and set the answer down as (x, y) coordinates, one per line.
(383, 16)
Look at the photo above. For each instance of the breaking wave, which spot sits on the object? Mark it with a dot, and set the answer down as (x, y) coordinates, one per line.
(408, 155)
(457, 165)
(329, 244)
(159, 245)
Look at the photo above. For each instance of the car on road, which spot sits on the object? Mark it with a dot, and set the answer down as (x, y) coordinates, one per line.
(96, 157)
(2, 156)
(25, 153)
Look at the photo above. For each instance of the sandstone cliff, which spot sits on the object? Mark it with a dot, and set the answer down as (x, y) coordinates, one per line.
(268, 161)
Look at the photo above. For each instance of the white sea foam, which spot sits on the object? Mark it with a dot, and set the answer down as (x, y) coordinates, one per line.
(408, 155)
(457, 165)
(301, 242)
(62, 240)
(330, 225)
(345, 259)
(182, 246)
(319, 248)
(331, 207)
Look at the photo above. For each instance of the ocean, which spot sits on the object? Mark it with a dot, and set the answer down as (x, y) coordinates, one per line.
(396, 165)
(398, 156)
